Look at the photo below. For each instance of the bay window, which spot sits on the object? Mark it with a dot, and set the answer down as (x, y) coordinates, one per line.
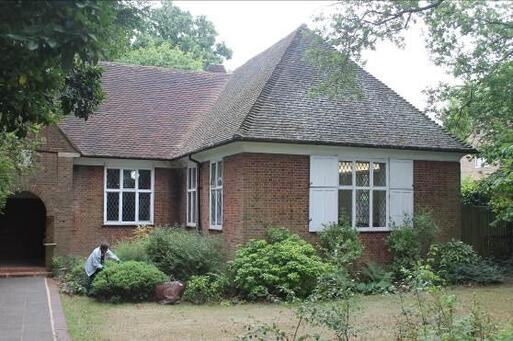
(128, 196)
(216, 195)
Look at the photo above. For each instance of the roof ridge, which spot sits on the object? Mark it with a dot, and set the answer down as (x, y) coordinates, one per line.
(268, 83)
(162, 68)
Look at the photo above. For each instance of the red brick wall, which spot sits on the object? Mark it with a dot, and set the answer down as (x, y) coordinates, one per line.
(88, 229)
(264, 190)
(437, 190)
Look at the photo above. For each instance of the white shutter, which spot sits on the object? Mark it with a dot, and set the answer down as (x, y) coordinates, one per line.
(323, 207)
(323, 191)
(401, 191)
(323, 171)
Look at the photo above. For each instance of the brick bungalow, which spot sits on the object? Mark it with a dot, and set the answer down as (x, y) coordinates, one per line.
(232, 154)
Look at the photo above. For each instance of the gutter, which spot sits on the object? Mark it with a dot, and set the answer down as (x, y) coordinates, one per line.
(198, 205)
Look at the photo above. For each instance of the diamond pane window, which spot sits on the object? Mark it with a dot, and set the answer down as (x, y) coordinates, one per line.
(379, 171)
(379, 209)
(345, 173)
(112, 206)
(144, 206)
(213, 172)
(345, 205)
(216, 195)
(144, 179)
(362, 170)
(362, 208)
(129, 176)
(112, 178)
(133, 199)
(192, 181)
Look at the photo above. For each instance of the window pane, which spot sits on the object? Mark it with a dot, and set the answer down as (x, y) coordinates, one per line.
(129, 176)
(220, 173)
(213, 207)
(113, 206)
(362, 208)
(345, 173)
(380, 173)
(379, 205)
(345, 204)
(144, 206)
(144, 179)
(194, 177)
(112, 178)
(362, 173)
(213, 174)
(193, 205)
(128, 208)
(219, 207)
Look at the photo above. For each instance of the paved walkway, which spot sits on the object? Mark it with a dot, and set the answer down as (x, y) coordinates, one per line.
(24, 311)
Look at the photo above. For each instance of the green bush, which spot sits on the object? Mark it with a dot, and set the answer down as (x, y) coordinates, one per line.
(375, 280)
(334, 284)
(482, 272)
(410, 242)
(475, 193)
(287, 268)
(127, 281)
(75, 281)
(182, 254)
(205, 288)
(340, 244)
(133, 249)
(61, 265)
(443, 256)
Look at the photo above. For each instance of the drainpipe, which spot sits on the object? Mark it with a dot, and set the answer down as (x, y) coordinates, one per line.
(198, 205)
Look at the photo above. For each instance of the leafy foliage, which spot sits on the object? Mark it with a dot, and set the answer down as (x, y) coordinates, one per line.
(182, 254)
(340, 244)
(475, 193)
(61, 265)
(478, 106)
(483, 272)
(205, 288)
(163, 55)
(443, 256)
(334, 284)
(127, 281)
(75, 281)
(375, 280)
(285, 268)
(132, 249)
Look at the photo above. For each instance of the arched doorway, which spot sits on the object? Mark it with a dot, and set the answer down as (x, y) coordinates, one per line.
(22, 230)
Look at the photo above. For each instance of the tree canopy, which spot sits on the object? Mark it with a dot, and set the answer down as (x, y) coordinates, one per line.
(471, 39)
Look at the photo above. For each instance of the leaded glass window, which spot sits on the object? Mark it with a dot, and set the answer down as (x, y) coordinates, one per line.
(216, 195)
(192, 196)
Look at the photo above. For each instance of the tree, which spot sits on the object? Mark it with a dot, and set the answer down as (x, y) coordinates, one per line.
(49, 52)
(472, 39)
(195, 36)
(163, 55)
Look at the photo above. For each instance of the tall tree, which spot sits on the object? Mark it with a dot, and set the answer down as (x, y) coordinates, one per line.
(49, 52)
(473, 39)
(195, 36)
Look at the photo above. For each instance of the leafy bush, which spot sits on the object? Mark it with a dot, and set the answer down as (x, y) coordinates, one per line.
(482, 272)
(128, 281)
(334, 284)
(410, 242)
(75, 281)
(61, 265)
(182, 253)
(375, 280)
(475, 193)
(443, 256)
(133, 249)
(340, 244)
(286, 268)
(205, 288)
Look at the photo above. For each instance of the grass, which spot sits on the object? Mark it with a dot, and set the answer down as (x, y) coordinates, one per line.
(375, 316)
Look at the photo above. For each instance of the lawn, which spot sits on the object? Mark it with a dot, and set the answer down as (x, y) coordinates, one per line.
(90, 320)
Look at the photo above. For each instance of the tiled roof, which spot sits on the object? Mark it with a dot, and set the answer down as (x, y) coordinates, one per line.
(156, 113)
(146, 113)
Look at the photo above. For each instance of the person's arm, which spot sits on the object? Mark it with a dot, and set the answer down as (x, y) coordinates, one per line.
(111, 255)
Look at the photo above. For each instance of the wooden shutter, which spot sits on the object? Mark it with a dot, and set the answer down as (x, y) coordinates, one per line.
(401, 191)
(323, 191)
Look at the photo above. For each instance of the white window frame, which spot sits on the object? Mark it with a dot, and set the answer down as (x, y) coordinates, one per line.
(480, 162)
(369, 188)
(192, 188)
(121, 190)
(219, 189)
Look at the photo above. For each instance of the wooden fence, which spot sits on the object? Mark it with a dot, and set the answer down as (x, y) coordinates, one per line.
(489, 241)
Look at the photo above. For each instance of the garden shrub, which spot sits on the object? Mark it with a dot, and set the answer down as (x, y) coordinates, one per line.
(133, 249)
(483, 272)
(410, 242)
(61, 265)
(287, 268)
(334, 284)
(75, 281)
(127, 281)
(375, 280)
(205, 288)
(475, 193)
(340, 244)
(182, 254)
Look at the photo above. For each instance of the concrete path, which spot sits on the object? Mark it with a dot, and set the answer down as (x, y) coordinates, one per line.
(24, 309)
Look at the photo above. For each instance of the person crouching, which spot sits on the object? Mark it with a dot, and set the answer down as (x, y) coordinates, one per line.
(94, 263)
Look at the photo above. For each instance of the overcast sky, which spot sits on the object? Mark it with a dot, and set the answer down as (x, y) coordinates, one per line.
(249, 27)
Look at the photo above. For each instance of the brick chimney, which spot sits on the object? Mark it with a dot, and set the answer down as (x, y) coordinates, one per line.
(219, 68)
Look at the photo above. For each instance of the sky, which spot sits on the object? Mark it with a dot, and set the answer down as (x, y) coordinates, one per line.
(249, 27)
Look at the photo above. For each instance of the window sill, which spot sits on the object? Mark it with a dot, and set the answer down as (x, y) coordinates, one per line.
(216, 228)
(373, 229)
(191, 225)
(127, 225)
